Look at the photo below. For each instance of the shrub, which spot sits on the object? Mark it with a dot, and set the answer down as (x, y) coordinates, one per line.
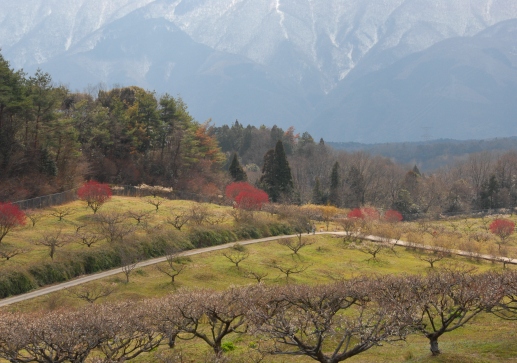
(14, 283)
(205, 236)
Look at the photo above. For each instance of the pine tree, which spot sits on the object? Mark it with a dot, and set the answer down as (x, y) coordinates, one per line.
(357, 188)
(283, 170)
(236, 171)
(276, 177)
(335, 183)
(267, 180)
(317, 194)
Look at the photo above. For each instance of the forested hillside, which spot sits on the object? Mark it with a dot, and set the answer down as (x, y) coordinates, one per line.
(52, 139)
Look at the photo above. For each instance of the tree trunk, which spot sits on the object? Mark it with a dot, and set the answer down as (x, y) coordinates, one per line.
(434, 346)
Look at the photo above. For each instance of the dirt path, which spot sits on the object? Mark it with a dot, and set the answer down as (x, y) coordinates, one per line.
(100, 275)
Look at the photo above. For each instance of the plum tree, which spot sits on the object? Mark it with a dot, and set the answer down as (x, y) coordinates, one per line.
(95, 194)
(10, 217)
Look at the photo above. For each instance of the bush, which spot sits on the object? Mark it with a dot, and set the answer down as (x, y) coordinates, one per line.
(277, 229)
(227, 347)
(160, 243)
(48, 273)
(248, 232)
(100, 260)
(205, 236)
(15, 283)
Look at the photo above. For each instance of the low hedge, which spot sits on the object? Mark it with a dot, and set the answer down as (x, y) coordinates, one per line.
(155, 245)
(15, 283)
(211, 236)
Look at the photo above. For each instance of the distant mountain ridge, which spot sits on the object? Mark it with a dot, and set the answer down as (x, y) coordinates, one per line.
(433, 154)
(341, 69)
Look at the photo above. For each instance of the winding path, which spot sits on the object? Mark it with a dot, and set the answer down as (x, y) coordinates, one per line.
(100, 275)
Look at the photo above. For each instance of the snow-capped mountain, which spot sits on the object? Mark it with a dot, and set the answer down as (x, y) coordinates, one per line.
(337, 68)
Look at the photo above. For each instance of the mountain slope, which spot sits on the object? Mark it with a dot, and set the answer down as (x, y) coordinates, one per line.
(460, 88)
(330, 66)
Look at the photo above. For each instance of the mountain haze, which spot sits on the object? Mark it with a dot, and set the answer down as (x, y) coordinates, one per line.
(345, 70)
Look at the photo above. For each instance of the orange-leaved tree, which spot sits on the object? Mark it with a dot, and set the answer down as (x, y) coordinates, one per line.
(95, 194)
(10, 216)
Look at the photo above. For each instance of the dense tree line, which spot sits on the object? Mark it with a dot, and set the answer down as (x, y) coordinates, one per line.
(328, 323)
(322, 175)
(51, 139)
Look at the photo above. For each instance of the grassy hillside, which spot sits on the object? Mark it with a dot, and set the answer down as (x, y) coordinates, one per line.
(325, 259)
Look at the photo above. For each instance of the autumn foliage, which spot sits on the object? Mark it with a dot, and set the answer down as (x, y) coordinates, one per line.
(364, 213)
(10, 216)
(95, 194)
(246, 196)
(502, 228)
(392, 216)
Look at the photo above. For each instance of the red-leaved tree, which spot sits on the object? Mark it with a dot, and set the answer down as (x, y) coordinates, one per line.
(246, 196)
(392, 216)
(355, 213)
(233, 189)
(10, 216)
(95, 194)
(502, 228)
(364, 213)
(370, 213)
(251, 200)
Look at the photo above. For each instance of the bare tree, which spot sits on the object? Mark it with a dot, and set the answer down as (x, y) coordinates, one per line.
(236, 254)
(91, 292)
(129, 262)
(113, 226)
(198, 213)
(53, 241)
(256, 275)
(8, 253)
(371, 248)
(138, 216)
(173, 266)
(289, 270)
(432, 256)
(449, 299)
(61, 212)
(507, 307)
(131, 330)
(216, 219)
(209, 315)
(328, 323)
(295, 244)
(179, 220)
(15, 337)
(156, 202)
(34, 216)
(88, 238)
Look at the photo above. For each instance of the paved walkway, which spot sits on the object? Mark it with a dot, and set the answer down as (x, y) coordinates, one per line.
(100, 275)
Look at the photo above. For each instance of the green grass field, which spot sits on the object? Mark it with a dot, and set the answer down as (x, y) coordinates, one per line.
(486, 339)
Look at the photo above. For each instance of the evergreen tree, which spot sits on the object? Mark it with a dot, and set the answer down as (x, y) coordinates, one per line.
(488, 194)
(357, 188)
(317, 194)
(276, 177)
(335, 183)
(236, 171)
